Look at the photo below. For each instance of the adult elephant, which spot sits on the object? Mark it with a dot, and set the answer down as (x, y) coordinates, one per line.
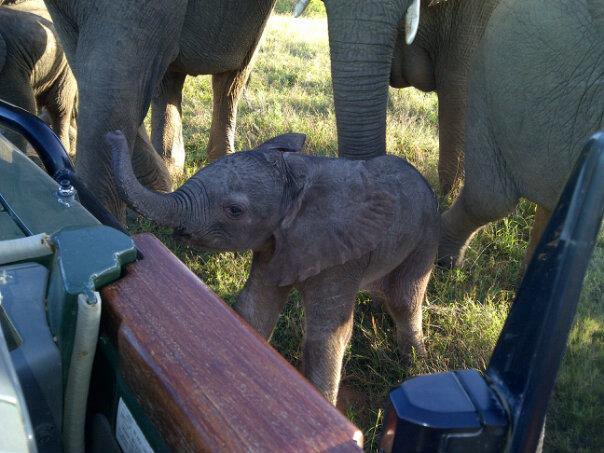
(122, 52)
(536, 93)
(370, 50)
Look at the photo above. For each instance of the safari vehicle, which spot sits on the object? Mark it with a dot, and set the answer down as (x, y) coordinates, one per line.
(166, 365)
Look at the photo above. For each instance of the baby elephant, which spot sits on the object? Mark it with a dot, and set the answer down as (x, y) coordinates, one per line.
(327, 227)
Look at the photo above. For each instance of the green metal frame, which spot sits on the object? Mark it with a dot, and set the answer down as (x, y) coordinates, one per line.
(87, 254)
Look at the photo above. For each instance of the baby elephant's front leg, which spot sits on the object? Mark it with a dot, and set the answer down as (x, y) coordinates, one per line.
(328, 321)
(260, 303)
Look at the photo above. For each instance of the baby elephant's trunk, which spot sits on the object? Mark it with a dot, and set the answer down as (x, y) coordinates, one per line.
(162, 208)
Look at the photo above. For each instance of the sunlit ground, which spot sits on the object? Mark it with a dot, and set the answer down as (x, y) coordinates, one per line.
(290, 90)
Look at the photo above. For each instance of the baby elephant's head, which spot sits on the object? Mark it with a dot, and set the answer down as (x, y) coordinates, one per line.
(234, 203)
(317, 213)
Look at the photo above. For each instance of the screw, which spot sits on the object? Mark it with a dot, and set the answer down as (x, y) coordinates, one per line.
(66, 192)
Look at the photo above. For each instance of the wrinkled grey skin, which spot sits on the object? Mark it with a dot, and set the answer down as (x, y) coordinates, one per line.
(438, 60)
(366, 58)
(166, 123)
(327, 227)
(519, 94)
(124, 52)
(34, 73)
(536, 94)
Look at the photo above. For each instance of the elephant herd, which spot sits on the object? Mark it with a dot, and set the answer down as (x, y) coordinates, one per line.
(520, 85)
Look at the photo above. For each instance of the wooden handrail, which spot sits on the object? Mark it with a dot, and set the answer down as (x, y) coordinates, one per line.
(206, 379)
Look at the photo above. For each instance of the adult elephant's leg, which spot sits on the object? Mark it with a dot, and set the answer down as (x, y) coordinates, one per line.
(122, 53)
(486, 196)
(21, 95)
(73, 134)
(59, 103)
(227, 88)
(148, 166)
(60, 123)
(451, 120)
(488, 193)
(68, 36)
(166, 129)
(542, 216)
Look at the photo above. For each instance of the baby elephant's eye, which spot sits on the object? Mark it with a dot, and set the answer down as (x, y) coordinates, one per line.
(234, 211)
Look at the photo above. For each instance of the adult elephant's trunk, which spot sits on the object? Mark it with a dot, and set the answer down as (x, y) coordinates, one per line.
(118, 54)
(362, 34)
(162, 208)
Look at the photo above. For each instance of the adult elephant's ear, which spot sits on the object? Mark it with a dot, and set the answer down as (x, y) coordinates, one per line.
(285, 142)
(332, 220)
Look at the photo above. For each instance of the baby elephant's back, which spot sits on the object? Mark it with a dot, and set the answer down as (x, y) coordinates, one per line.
(416, 219)
(404, 181)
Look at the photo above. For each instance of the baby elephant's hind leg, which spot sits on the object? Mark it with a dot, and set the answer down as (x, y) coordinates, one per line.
(405, 288)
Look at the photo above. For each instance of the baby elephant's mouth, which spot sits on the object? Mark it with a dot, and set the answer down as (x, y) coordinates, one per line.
(202, 245)
(181, 235)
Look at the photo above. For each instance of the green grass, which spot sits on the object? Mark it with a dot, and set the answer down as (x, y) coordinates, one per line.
(290, 90)
(315, 8)
(575, 419)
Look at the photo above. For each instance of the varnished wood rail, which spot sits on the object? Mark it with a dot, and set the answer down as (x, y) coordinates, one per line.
(207, 380)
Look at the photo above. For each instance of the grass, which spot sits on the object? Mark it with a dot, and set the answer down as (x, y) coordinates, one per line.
(575, 417)
(315, 8)
(290, 90)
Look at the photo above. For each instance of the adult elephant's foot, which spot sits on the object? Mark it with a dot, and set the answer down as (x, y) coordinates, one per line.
(542, 216)
(216, 151)
(173, 156)
(448, 179)
(175, 170)
(457, 228)
(450, 254)
(221, 143)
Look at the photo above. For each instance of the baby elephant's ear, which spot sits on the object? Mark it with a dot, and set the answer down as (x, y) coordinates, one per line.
(332, 221)
(285, 142)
